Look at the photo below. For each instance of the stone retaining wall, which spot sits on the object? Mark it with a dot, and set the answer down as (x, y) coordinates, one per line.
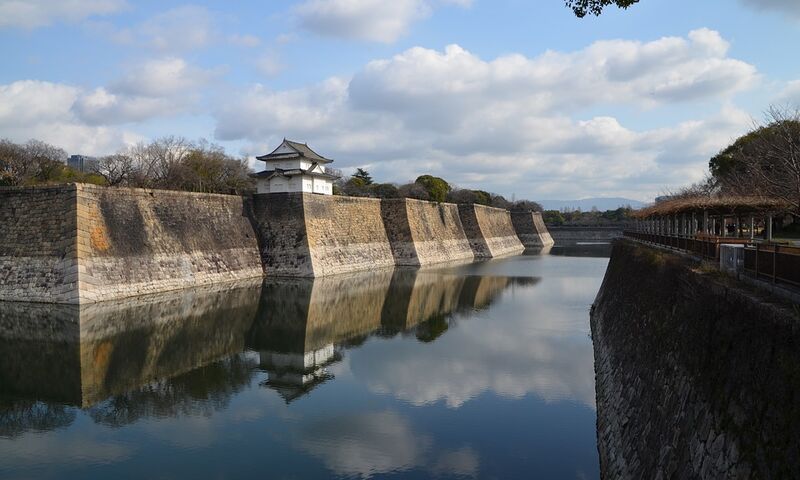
(38, 255)
(423, 233)
(575, 234)
(489, 231)
(83, 243)
(696, 374)
(531, 229)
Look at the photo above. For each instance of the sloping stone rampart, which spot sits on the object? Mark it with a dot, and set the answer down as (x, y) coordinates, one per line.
(345, 234)
(38, 256)
(424, 233)
(83, 243)
(696, 375)
(531, 229)
(489, 231)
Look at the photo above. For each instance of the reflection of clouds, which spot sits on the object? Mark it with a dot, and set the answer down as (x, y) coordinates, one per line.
(462, 462)
(60, 448)
(365, 444)
(535, 340)
(375, 443)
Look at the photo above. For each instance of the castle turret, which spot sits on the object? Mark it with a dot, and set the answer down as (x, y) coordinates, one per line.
(294, 167)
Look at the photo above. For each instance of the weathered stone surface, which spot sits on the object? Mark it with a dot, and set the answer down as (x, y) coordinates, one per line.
(696, 376)
(82, 243)
(424, 233)
(38, 245)
(565, 235)
(489, 231)
(531, 229)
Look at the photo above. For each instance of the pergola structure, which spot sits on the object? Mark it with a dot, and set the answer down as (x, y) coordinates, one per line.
(720, 216)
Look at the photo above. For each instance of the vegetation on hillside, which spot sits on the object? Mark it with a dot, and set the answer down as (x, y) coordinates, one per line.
(426, 187)
(591, 218)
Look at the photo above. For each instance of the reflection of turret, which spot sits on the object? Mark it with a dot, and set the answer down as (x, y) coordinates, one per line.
(300, 320)
(83, 354)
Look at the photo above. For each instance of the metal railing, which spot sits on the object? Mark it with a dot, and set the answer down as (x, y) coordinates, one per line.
(772, 262)
(776, 263)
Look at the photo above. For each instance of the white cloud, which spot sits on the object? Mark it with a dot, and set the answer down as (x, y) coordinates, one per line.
(371, 20)
(162, 77)
(156, 88)
(179, 29)
(249, 41)
(41, 13)
(790, 7)
(473, 120)
(44, 110)
(790, 94)
(269, 64)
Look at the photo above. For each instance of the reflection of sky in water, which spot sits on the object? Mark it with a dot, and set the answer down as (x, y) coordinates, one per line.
(505, 390)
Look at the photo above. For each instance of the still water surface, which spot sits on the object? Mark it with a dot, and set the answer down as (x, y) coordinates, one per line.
(475, 371)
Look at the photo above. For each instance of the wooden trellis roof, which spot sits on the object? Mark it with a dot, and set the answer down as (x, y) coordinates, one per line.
(716, 205)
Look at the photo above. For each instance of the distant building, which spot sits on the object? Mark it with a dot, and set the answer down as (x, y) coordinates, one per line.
(82, 163)
(294, 167)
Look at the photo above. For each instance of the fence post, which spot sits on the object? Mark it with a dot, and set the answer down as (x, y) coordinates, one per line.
(774, 263)
(756, 261)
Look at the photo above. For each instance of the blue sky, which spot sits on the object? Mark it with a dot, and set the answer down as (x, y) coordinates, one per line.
(517, 97)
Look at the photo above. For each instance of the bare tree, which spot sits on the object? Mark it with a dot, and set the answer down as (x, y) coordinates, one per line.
(770, 165)
(116, 169)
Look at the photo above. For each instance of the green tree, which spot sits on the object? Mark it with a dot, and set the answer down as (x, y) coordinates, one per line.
(595, 7)
(553, 217)
(363, 175)
(436, 187)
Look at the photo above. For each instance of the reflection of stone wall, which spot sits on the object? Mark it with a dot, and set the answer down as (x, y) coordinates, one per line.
(422, 233)
(490, 231)
(695, 377)
(37, 244)
(302, 315)
(531, 229)
(110, 347)
(418, 296)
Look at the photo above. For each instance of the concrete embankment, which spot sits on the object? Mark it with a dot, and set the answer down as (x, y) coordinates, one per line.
(696, 375)
(531, 229)
(82, 243)
(489, 231)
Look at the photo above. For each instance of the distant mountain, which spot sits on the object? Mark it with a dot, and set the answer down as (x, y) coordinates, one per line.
(586, 204)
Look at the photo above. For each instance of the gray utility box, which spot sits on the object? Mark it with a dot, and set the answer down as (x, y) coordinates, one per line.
(731, 258)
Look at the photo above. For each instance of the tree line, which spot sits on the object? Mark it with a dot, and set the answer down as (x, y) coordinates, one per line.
(764, 162)
(426, 187)
(171, 163)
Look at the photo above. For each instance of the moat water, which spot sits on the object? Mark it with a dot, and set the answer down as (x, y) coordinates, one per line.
(482, 370)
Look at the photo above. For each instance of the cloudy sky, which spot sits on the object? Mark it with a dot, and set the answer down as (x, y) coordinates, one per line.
(512, 96)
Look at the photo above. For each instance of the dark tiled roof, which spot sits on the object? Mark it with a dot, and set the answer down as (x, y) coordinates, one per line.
(302, 150)
(291, 173)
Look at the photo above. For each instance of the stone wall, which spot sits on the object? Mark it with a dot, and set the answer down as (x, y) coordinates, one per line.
(135, 241)
(345, 234)
(531, 229)
(489, 231)
(423, 233)
(696, 375)
(83, 243)
(38, 256)
(565, 235)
